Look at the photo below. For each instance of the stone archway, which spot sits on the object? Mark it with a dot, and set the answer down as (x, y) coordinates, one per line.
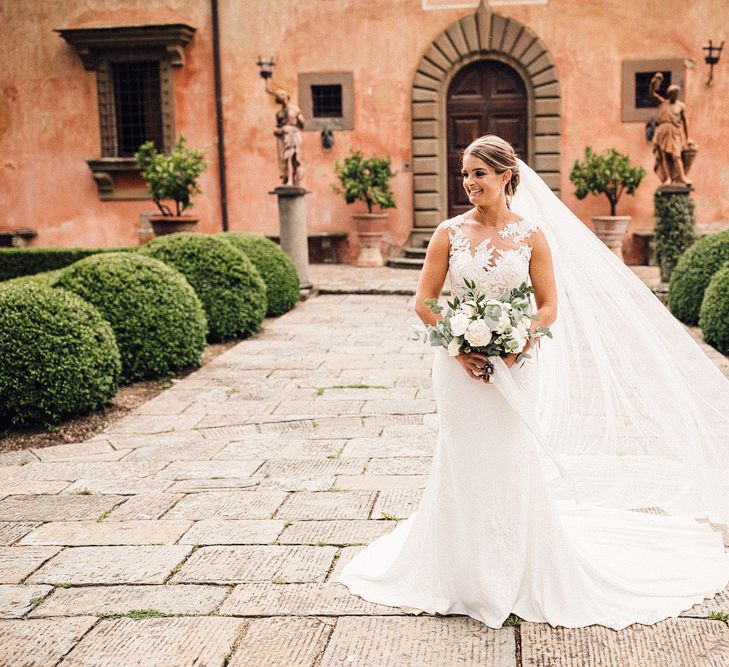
(479, 36)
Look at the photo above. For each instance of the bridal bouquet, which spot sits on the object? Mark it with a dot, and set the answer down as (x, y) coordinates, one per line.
(493, 327)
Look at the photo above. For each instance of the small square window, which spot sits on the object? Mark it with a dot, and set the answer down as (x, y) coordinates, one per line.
(327, 101)
(637, 104)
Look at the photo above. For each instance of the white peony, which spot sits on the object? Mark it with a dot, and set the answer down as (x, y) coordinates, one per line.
(478, 333)
(504, 324)
(468, 307)
(459, 324)
(454, 346)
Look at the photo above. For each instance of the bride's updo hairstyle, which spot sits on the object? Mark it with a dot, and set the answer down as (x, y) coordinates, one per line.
(499, 155)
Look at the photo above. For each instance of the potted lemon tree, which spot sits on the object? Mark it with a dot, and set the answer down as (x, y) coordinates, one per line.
(367, 180)
(172, 176)
(608, 173)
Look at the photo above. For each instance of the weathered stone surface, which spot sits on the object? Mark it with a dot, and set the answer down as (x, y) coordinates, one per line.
(280, 642)
(158, 642)
(173, 451)
(321, 466)
(215, 484)
(40, 642)
(134, 423)
(78, 451)
(209, 469)
(719, 602)
(31, 487)
(380, 481)
(400, 503)
(243, 564)
(345, 555)
(12, 531)
(389, 446)
(335, 532)
(400, 465)
(107, 533)
(327, 505)
(228, 505)
(74, 470)
(96, 600)
(16, 563)
(232, 531)
(145, 506)
(16, 601)
(297, 482)
(122, 487)
(378, 641)
(111, 565)
(684, 642)
(56, 508)
(18, 457)
(329, 599)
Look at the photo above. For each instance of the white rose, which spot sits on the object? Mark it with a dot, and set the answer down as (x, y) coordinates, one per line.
(520, 338)
(459, 324)
(478, 333)
(454, 346)
(467, 308)
(504, 324)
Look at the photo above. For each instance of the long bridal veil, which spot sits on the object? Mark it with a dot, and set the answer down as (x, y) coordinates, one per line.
(631, 407)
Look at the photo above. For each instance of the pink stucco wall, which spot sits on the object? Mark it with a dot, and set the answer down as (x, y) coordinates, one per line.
(49, 126)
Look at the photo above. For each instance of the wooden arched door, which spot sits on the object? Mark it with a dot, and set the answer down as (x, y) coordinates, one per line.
(485, 97)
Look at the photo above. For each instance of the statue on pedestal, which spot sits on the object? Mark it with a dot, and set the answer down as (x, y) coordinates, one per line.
(673, 159)
(289, 123)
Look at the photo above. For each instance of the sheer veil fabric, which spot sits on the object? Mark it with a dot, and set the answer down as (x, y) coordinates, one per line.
(528, 504)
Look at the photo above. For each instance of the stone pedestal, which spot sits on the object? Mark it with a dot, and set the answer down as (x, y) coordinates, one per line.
(292, 223)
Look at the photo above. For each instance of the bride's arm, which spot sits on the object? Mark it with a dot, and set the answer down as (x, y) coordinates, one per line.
(541, 273)
(432, 275)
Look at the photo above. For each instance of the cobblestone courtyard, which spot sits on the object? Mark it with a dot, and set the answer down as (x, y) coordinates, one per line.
(208, 527)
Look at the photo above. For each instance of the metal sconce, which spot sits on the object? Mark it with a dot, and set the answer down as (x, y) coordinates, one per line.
(712, 58)
(266, 66)
(327, 138)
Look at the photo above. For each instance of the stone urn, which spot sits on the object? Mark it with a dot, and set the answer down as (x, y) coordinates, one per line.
(370, 234)
(610, 229)
(171, 224)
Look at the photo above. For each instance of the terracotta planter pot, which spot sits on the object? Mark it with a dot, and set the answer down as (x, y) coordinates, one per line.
(170, 224)
(370, 232)
(610, 229)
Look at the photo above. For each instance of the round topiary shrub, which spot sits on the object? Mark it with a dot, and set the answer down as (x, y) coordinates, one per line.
(59, 356)
(232, 291)
(692, 274)
(158, 321)
(714, 314)
(275, 267)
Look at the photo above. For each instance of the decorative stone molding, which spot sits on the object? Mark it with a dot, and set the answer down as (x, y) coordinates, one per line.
(104, 172)
(478, 36)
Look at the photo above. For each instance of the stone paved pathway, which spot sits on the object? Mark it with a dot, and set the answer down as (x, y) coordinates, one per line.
(208, 527)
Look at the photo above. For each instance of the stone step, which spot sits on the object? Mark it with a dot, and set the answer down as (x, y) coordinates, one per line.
(405, 262)
(414, 252)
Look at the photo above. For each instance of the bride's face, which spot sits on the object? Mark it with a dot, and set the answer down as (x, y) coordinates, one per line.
(481, 183)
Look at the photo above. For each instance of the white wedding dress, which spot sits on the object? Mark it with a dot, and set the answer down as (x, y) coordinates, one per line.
(489, 539)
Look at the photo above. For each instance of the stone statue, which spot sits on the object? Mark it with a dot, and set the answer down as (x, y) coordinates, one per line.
(289, 123)
(673, 160)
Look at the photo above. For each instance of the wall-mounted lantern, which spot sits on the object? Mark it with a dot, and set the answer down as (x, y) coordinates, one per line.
(712, 58)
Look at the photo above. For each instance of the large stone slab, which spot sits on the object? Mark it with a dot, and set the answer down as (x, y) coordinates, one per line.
(40, 642)
(209, 469)
(400, 465)
(353, 531)
(121, 487)
(378, 641)
(283, 642)
(22, 487)
(17, 457)
(243, 564)
(389, 446)
(345, 555)
(74, 470)
(158, 642)
(56, 508)
(243, 504)
(233, 531)
(309, 466)
(134, 423)
(16, 601)
(98, 600)
(16, 563)
(107, 533)
(86, 451)
(173, 451)
(111, 565)
(400, 503)
(145, 506)
(297, 482)
(328, 599)
(674, 642)
(719, 602)
(214, 484)
(327, 505)
(380, 481)
(12, 531)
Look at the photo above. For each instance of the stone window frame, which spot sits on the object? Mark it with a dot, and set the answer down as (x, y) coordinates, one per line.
(631, 113)
(345, 79)
(98, 48)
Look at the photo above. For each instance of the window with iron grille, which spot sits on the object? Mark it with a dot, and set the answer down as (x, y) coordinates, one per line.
(643, 99)
(137, 104)
(326, 101)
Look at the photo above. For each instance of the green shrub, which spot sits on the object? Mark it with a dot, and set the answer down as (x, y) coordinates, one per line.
(714, 313)
(16, 262)
(232, 291)
(158, 321)
(692, 274)
(59, 356)
(674, 230)
(44, 279)
(275, 267)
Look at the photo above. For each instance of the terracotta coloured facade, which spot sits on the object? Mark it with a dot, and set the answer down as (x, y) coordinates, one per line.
(50, 127)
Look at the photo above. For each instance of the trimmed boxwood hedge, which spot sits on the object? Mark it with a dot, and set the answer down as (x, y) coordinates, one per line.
(232, 291)
(275, 267)
(158, 321)
(692, 274)
(714, 314)
(16, 262)
(59, 356)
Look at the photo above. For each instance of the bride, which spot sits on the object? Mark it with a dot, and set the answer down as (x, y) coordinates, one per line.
(574, 488)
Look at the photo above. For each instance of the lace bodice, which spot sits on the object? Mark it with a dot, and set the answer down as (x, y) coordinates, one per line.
(496, 266)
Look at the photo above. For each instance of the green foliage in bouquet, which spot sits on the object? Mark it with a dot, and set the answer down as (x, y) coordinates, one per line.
(608, 173)
(365, 179)
(171, 176)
